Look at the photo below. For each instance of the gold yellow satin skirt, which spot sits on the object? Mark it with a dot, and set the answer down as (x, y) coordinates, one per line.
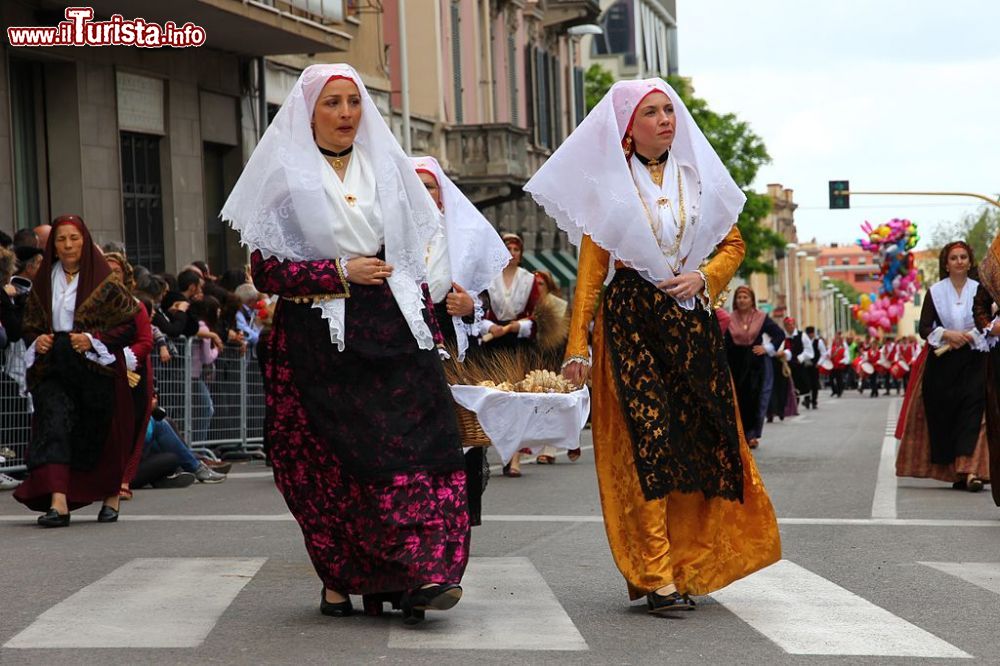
(699, 545)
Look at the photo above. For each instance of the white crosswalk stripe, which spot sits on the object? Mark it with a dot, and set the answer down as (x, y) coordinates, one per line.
(507, 605)
(804, 613)
(147, 603)
(984, 574)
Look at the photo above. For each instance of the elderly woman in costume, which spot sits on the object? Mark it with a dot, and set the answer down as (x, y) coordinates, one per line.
(361, 429)
(140, 369)
(83, 427)
(511, 300)
(640, 190)
(943, 436)
(464, 257)
(749, 359)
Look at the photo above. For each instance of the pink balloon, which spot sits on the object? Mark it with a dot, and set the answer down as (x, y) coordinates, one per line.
(872, 331)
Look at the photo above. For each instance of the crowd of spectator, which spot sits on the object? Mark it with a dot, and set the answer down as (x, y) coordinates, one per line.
(223, 314)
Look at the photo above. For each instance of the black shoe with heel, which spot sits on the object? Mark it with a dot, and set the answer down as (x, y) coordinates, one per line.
(660, 604)
(107, 514)
(442, 596)
(54, 519)
(339, 609)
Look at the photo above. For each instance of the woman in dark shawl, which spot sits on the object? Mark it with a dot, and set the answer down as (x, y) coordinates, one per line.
(747, 357)
(82, 428)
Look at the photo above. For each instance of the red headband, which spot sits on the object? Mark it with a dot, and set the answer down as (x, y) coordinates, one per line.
(431, 174)
(72, 220)
(629, 147)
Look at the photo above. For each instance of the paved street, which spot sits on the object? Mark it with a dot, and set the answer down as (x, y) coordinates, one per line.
(218, 574)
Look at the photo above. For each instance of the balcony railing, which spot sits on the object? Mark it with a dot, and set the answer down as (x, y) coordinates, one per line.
(497, 151)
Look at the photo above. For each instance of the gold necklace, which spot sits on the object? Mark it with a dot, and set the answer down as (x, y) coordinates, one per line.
(654, 224)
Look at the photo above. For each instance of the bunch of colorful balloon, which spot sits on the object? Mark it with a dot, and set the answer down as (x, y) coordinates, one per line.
(891, 244)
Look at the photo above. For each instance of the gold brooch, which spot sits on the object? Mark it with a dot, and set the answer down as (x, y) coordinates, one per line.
(662, 201)
(350, 199)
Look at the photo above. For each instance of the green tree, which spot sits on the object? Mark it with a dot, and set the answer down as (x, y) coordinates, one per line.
(597, 81)
(978, 229)
(743, 152)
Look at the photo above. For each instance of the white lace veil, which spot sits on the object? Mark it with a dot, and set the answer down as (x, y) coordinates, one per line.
(280, 206)
(586, 185)
(476, 253)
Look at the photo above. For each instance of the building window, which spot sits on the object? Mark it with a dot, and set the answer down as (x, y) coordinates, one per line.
(846, 261)
(213, 161)
(578, 103)
(515, 116)
(25, 95)
(142, 199)
(456, 59)
(618, 27)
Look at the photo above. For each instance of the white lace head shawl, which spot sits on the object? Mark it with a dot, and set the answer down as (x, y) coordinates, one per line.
(587, 186)
(476, 253)
(281, 207)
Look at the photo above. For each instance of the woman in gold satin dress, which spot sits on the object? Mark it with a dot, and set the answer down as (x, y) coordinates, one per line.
(685, 509)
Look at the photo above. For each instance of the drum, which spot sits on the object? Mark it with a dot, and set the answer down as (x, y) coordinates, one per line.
(897, 371)
(905, 366)
(825, 366)
(867, 368)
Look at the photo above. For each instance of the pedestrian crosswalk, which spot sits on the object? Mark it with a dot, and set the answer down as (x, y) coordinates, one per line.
(804, 613)
(508, 606)
(147, 603)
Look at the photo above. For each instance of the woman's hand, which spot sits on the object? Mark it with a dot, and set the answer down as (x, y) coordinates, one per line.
(164, 354)
(367, 270)
(758, 350)
(458, 302)
(498, 331)
(956, 339)
(80, 342)
(43, 343)
(576, 372)
(683, 286)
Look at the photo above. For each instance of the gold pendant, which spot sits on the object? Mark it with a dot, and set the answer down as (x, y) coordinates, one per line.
(338, 163)
(350, 199)
(662, 201)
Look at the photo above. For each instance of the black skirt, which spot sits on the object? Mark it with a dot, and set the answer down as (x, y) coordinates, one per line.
(675, 390)
(954, 400)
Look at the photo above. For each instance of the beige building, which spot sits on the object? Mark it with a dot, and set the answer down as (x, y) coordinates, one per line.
(773, 290)
(145, 144)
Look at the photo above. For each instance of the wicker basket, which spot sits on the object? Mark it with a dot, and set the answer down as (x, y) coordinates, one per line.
(468, 427)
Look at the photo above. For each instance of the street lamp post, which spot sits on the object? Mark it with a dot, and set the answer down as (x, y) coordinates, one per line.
(575, 34)
(789, 250)
(798, 287)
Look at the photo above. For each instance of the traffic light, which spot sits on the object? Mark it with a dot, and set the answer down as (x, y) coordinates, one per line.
(840, 194)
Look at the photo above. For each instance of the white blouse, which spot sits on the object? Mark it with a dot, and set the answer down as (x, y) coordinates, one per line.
(954, 312)
(63, 310)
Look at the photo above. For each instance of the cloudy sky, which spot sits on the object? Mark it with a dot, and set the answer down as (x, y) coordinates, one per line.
(890, 94)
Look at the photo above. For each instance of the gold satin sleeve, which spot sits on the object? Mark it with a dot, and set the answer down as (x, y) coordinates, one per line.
(592, 268)
(721, 268)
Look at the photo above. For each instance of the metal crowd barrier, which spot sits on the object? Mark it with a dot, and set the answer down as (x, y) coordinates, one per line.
(220, 413)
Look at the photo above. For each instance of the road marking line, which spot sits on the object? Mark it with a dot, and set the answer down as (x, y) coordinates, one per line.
(147, 603)
(804, 613)
(983, 574)
(520, 518)
(506, 605)
(884, 500)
